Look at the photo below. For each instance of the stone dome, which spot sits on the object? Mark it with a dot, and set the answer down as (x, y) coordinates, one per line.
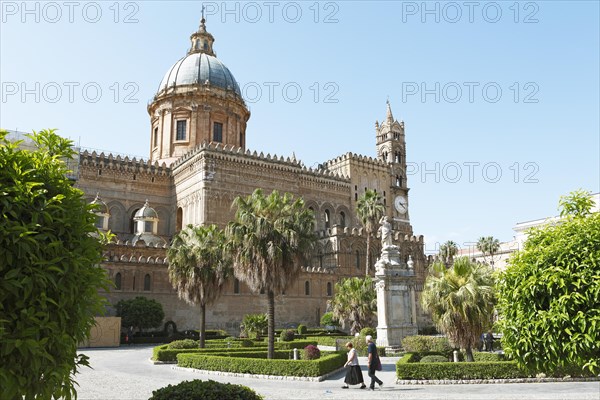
(199, 69)
(145, 212)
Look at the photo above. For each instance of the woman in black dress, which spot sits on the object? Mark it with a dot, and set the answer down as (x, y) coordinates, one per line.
(353, 374)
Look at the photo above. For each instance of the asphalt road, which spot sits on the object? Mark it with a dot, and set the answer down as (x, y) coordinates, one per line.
(127, 374)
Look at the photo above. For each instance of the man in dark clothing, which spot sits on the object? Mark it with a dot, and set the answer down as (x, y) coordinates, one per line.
(489, 341)
(373, 363)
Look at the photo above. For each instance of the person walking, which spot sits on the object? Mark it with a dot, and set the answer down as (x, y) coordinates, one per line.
(354, 375)
(374, 363)
(489, 341)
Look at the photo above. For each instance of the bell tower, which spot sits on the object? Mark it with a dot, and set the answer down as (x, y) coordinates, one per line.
(391, 148)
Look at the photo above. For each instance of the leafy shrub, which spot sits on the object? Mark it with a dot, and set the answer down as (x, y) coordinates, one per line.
(255, 325)
(328, 320)
(204, 390)
(247, 343)
(486, 357)
(360, 344)
(311, 352)
(421, 344)
(302, 329)
(183, 344)
(430, 359)
(368, 331)
(329, 340)
(287, 335)
(49, 270)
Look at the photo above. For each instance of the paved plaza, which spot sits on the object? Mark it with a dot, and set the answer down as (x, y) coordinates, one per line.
(127, 374)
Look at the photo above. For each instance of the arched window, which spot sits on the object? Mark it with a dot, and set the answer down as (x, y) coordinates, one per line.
(307, 288)
(118, 281)
(342, 219)
(179, 219)
(355, 196)
(147, 283)
(236, 286)
(134, 282)
(329, 289)
(357, 259)
(327, 220)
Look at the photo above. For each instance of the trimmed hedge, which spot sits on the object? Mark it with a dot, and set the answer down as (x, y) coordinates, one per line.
(327, 363)
(408, 367)
(165, 354)
(329, 340)
(433, 358)
(204, 390)
(479, 356)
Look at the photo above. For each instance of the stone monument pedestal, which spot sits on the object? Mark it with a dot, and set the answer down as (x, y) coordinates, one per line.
(396, 307)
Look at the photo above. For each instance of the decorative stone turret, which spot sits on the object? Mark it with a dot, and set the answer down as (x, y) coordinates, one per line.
(146, 222)
(102, 213)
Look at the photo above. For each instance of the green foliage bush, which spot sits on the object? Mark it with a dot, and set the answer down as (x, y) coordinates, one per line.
(287, 335)
(460, 370)
(50, 251)
(204, 390)
(486, 357)
(329, 340)
(328, 320)
(550, 294)
(311, 352)
(360, 344)
(183, 344)
(302, 329)
(368, 331)
(421, 344)
(140, 312)
(255, 325)
(281, 367)
(433, 358)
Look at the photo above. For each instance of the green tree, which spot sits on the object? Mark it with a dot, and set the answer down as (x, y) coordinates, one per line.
(50, 253)
(355, 301)
(461, 300)
(255, 324)
(198, 267)
(448, 249)
(549, 294)
(369, 210)
(488, 246)
(578, 203)
(140, 312)
(270, 239)
(328, 320)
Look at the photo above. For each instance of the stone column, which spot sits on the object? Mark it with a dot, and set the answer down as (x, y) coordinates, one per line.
(395, 285)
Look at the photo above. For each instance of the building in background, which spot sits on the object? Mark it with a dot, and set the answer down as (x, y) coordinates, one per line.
(198, 163)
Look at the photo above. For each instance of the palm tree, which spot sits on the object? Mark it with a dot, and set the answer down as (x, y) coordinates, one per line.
(448, 249)
(369, 210)
(198, 267)
(355, 301)
(488, 246)
(270, 239)
(461, 300)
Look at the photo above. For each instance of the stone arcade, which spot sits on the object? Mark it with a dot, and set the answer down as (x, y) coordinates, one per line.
(199, 163)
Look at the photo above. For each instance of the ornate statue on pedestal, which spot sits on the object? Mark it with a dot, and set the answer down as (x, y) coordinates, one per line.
(386, 232)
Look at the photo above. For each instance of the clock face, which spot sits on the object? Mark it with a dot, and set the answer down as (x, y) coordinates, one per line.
(401, 204)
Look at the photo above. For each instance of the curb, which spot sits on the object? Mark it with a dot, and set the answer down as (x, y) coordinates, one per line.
(490, 381)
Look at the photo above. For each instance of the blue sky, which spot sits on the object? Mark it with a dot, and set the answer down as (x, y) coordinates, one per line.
(500, 99)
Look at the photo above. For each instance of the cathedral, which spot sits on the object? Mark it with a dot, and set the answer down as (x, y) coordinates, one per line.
(198, 163)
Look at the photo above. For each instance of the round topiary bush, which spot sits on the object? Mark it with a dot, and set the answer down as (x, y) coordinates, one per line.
(311, 352)
(183, 344)
(431, 359)
(204, 390)
(302, 329)
(368, 331)
(247, 343)
(287, 335)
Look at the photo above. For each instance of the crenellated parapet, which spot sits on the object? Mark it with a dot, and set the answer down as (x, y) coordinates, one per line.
(122, 164)
(248, 158)
(356, 158)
